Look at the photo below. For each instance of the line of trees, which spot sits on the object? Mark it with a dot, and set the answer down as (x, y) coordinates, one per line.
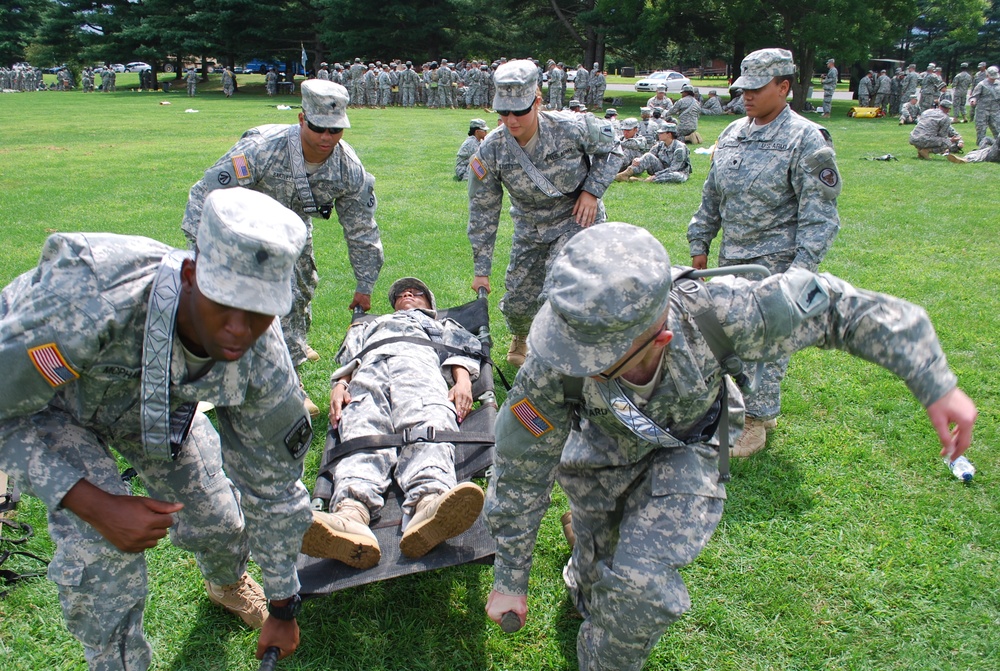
(640, 33)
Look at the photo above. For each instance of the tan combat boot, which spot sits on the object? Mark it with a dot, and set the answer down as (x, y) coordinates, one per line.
(439, 517)
(624, 175)
(311, 354)
(244, 599)
(955, 159)
(923, 154)
(343, 535)
(309, 406)
(753, 437)
(518, 351)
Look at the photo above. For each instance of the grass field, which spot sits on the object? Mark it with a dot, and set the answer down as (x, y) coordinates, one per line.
(845, 545)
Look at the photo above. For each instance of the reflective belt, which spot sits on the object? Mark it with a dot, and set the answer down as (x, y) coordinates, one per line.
(301, 178)
(539, 180)
(633, 418)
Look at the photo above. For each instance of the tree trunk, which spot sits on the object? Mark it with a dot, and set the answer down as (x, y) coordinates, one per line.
(800, 89)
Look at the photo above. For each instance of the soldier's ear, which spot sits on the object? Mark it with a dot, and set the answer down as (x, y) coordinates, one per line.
(189, 278)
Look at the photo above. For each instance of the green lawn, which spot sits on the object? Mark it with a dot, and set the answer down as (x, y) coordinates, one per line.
(845, 545)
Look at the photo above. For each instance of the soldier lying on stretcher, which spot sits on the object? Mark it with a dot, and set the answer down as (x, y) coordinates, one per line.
(386, 385)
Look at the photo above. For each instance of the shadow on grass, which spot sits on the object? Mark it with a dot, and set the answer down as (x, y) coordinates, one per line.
(766, 486)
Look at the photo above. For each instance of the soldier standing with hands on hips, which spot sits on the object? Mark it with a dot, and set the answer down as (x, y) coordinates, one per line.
(110, 343)
(772, 190)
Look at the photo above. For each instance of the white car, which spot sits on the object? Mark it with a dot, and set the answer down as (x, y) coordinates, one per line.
(671, 79)
(137, 66)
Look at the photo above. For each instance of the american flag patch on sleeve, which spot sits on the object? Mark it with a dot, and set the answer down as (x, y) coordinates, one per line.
(50, 363)
(529, 416)
(241, 167)
(477, 167)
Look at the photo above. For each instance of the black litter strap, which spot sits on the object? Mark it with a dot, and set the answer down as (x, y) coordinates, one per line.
(11, 578)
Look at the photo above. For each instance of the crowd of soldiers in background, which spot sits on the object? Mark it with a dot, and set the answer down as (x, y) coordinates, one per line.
(25, 77)
(893, 94)
(21, 77)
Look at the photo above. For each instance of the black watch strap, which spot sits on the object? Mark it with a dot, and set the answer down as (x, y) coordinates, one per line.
(287, 612)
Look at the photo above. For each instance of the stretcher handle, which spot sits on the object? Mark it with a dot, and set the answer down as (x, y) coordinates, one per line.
(270, 659)
(510, 622)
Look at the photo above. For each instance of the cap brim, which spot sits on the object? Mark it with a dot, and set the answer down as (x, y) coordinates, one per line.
(244, 293)
(750, 82)
(571, 353)
(513, 102)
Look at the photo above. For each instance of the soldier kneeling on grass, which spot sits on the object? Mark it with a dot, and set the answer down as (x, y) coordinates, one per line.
(385, 386)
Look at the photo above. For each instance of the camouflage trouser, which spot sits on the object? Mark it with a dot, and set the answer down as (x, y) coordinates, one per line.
(937, 145)
(371, 96)
(827, 100)
(882, 100)
(530, 260)
(556, 97)
(192, 88)
(102, 589)
(958, 105)
(409, 95)
(388, 396)
(357, 93)
(295, 325)
(927, 101)
(624, 573)
(765, 403)
(987, 120)
(384, 94)
(597, 97)
(654, 166)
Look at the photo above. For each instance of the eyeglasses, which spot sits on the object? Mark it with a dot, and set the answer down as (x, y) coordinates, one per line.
(517, 113)
(319, 130)
(606, 377)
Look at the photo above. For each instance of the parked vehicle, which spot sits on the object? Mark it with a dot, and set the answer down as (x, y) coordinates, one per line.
(137, 66)
(671, 79)
(260, 66)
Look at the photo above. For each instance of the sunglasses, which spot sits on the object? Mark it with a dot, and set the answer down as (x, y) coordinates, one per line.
(517, 113)
(319, 130)
(607, 377)
(416, 293)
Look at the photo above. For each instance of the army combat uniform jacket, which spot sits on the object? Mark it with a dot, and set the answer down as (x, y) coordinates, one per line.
(261, 161)
(776, 190)
(574, 153)
(72, 342)
(641, 512)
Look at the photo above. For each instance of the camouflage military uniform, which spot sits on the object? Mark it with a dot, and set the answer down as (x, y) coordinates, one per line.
(910, 112)
(865, 90)
(557, 80)
(666, 164)
(960, 85)
(228, 82)
(394, 387)
(930, 88)
(575, 152)
(735, 106)
(829, 88)
(663, 103)
(357, 72)
(72, 346)
(598, 85)
(773, 192)
(271, 82)
(986, 99)
(711, 106)
(883, 87)
(465, 152)
(408, 81)
(581, 85)
(632, 147)
(686, 111)
(642, 512)
(934, 132)
(341, 182)
(911, 83)
(192, 82)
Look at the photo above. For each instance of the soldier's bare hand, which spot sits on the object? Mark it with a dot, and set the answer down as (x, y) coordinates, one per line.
(499, 604)
(699, 261)
(130, 523)
(585, 210)
(953, 416)
(282, 634)
(481, 282)
(461, 393)
(339, 397)
(363, 301)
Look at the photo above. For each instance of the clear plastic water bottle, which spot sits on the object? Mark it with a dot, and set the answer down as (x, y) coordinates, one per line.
(961, 468)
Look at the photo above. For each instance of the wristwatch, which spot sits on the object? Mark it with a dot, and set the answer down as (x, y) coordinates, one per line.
(287, 612)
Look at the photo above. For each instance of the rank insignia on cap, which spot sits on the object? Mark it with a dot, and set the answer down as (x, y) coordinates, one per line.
(241, 166)
(50, 363)
(478, 169)
(527, 415)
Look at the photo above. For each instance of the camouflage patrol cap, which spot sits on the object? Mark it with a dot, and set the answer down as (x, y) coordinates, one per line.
(645, 111)
(610, 112)
(248, 244)
(479, 124)
(411, 283)
(667, 127)
(517, 85)
(324, 103)
(607, 285)
(945, 102)
(763, 65)
(687, 88)
(982, 64)
(964, 65)
(574, 103)
(992, 72)
(661, 87)
(630, 123)
(913, 95)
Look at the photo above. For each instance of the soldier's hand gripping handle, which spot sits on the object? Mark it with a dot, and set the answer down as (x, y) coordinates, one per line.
(270, 659)
(510, 622)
